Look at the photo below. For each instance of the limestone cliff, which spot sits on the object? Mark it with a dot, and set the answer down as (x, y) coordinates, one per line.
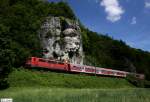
(61, 39)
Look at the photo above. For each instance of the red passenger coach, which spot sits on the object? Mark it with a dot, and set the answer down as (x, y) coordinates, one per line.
(48, 64)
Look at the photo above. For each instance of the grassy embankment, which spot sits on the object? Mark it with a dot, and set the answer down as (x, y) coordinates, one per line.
(28, 78)
(41, 86)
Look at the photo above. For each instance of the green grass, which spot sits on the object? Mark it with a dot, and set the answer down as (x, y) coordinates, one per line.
(30, 94)
(46, 86)
(29, 78)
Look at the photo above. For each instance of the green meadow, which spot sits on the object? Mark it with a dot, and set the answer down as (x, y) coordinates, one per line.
(46, 86)
(45, 94)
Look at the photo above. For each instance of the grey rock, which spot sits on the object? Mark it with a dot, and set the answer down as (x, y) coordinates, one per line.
(61, 39)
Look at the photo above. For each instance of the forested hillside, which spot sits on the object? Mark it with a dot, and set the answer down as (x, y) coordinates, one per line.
(102, 50)
(20, 21)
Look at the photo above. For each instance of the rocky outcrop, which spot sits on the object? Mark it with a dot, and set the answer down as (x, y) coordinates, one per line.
(61, 39)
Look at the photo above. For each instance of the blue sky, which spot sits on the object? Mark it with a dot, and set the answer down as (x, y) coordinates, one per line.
(128, 20)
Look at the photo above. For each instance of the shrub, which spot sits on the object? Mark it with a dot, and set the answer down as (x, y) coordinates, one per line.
(135, 81)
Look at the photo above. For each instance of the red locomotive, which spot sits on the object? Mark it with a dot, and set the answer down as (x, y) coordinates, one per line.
(68, 67)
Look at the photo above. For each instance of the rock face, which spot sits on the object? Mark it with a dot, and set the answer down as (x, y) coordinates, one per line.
(61, 39)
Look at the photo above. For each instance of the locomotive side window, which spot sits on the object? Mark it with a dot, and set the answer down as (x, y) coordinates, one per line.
(52, 62)
(60, 63)
(41, 60)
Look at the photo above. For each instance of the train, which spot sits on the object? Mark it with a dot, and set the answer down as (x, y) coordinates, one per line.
(65, 66)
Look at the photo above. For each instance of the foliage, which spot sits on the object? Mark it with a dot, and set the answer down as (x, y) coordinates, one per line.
(137, 82)
(147, 83)
(61, 9)
(103, 51)
(19, 22)
(7, 60)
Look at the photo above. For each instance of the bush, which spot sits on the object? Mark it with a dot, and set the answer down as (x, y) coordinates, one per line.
(3, 84)
(6, 63)
(147, 84)
(135, 81)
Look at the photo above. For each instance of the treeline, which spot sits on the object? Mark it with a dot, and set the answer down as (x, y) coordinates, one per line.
(20, 21)
(104, 51)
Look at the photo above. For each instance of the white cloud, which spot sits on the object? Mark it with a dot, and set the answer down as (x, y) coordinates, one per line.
(113, 9)
(147, 4)
(133, 21)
